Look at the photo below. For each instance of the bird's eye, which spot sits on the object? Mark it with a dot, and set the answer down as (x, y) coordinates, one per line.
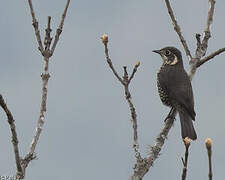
(167, 52)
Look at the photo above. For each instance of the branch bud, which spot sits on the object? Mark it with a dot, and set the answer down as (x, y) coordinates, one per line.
(187, 142)
(137, 64)
(208, 143)
(104, 39)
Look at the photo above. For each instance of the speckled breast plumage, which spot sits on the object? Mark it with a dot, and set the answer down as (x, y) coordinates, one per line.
(162, 94)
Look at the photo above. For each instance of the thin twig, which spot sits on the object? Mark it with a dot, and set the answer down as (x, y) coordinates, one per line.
(208, 23)
(208, 143)
(187, 145)
(15, 142)
(35, 25)
(202, 47)
(109, 60)
(59, 30)
(48, 38)
(125, 81)
(210, 15)
(177, 29)
(134, 71)
(211, 56)
(199, 45)
(132, 109)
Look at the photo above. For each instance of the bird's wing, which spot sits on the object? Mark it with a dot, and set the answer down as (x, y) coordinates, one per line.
(180, 91)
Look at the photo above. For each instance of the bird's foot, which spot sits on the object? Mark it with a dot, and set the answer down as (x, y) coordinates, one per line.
(169, 116)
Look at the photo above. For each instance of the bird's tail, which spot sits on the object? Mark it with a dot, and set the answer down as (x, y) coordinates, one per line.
(187, 128)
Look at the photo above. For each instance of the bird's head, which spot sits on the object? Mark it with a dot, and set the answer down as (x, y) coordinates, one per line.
(170, 55)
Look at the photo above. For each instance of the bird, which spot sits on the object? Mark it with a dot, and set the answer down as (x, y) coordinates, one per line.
(175, 89)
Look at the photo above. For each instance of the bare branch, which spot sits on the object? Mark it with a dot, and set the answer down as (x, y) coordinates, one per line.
(105, 42)
(48, 38)
(208, 143)
(177, 29)
(202, 47)
(31, 155)
(142, 166)
(60, 28)
(35, 25)
(210, 15)
(125, 81)
(45, 77)
(14, 136)
(209, 21)
(160, 139)
(187, 145)
(134, 71)
(46, 53)
(199, 44)
(132, 109)
(211, 56)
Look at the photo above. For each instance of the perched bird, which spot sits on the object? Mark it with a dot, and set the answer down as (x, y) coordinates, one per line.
(175, 89)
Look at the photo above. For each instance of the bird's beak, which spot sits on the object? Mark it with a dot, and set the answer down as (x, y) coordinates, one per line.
(156, 51)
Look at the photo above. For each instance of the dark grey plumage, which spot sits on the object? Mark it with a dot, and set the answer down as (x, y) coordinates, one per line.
(175, 89)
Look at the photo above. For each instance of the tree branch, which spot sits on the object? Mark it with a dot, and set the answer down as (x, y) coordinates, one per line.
(46, 53)
(177, 29)
(208, 23)
(211, 56)
(208, 143)
(105, 42)
(202, 46)
(187, 145)
(132, 109)
(142, 166)
(35, 25)
(59, 30)
(134, 71)
(125, 81)
(14, 135)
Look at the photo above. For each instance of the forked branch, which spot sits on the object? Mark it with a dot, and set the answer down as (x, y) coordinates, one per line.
(125, 81)
(46, 53)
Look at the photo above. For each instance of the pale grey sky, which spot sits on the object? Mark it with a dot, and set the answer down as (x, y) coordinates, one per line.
(88, 133)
